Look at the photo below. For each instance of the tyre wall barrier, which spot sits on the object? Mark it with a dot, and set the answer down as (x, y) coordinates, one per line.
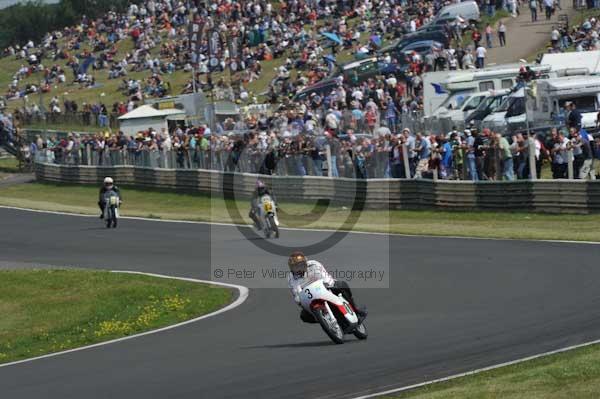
(553, 196)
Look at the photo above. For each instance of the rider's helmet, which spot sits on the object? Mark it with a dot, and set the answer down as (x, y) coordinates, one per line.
(108, 182)
(297, 263)
(261, 189)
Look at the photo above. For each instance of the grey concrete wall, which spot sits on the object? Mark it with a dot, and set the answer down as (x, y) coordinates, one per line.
(556, 196)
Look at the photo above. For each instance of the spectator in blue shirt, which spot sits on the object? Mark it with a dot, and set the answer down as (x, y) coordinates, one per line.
(423, 149)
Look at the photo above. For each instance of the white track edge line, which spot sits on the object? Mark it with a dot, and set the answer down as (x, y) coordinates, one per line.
(243, 295)
(477, 371)
(303, 229)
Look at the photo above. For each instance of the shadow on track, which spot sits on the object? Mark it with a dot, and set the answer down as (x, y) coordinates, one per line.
(297, 345)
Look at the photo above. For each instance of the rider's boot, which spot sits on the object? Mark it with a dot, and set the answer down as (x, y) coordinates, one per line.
(256, 220)
(361, 311)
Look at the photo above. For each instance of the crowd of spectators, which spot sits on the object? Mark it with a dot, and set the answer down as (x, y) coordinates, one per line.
(357, 129)
(155, 34)
(582, 37)
(456, 155)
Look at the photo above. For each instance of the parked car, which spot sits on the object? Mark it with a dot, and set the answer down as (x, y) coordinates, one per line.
(468, 10)
(432, 28)
(321, 88)
(421, 47)
(359, 71)
(438, 36)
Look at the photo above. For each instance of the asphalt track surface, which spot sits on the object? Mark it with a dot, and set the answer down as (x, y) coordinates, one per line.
(453, 305)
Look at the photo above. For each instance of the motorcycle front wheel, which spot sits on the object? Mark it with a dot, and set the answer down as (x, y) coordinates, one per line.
(109, 217)
(274, 226)
(360, 331)
(330, 325)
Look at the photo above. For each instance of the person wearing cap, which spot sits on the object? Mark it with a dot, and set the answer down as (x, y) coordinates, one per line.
(469, 147)
(423, 151)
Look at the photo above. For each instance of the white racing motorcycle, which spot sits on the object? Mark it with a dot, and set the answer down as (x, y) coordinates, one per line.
(111, 208)
(333, 312)
(267, 212)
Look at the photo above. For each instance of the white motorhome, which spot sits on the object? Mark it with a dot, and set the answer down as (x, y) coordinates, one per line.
(545, 103)
(437, 86)
(588, 61)
(552, 94)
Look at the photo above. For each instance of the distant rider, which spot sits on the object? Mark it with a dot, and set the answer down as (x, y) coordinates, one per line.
(260, 190)
(302, 270)
(107, 186)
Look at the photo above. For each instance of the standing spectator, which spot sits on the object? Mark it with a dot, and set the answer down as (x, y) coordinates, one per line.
(469, 147)
(514, 8)
(507, 160)
(480, 146)
(476, 37)
(315, 154)
(391, 114)
(573, 116)
(578, 156)
(554, 37)
(502, 33)
(533, 5)
(371, 119)
(596, 150)
(334, 145)
(423, 150)
(467, 60)
(488, 36)
(397, 159)
(481, 52)
(491, 7)
(412, 155)
(559, 155)
(587, 168)
(549, 6)
(446, 161)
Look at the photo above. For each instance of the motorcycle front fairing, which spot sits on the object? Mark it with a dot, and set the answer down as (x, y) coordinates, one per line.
(268, 207)
(314, 292)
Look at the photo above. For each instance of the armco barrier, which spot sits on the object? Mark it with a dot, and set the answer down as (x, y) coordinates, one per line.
(555, 196)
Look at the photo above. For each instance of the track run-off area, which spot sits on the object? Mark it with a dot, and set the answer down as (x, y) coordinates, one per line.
(453, 305)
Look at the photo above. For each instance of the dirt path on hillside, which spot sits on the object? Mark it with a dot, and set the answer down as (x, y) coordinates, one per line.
(524, 38)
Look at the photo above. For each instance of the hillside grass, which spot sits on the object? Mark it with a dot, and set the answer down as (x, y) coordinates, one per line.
(106, 90)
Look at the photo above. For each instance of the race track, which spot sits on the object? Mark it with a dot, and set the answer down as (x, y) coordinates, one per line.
(453, 305)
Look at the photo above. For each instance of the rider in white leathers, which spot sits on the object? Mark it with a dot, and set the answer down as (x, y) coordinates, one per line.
(302, 270)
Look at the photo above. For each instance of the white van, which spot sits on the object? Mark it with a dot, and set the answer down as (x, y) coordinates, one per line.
(468, 10)
(460, 105)
(510, 113)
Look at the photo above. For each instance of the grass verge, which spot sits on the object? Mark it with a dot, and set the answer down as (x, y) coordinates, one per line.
(573, 374)
(45, 311)
(9, 165)
(197, 207)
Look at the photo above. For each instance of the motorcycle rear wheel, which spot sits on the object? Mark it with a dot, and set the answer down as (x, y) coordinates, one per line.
(335, 334)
